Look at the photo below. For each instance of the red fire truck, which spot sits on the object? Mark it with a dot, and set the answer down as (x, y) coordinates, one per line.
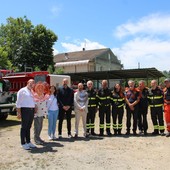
(5, 72)
(12, 82)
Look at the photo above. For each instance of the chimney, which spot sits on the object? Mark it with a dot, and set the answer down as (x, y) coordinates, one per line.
(66, 56)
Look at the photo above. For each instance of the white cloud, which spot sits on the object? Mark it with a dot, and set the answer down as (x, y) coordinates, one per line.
(55, 51)
(55, 10)
(148, 52)
(153, 24)
(148, 42)
(78, 45)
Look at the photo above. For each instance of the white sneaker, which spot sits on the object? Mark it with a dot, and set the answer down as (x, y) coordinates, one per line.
(70, 136)
(54, 137)
(31, 145)
(50, 138)
(26, 146)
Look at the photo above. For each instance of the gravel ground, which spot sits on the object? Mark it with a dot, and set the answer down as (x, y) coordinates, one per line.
(95, 153)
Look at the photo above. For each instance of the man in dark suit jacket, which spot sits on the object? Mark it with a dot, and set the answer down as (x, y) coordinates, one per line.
(65, 99)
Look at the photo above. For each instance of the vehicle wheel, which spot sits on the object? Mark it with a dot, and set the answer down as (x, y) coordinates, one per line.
(3, 117)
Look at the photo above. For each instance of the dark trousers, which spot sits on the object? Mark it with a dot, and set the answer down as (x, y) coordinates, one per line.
(130, 113)
(90, 120)
(61, 117)
(104, 111)
(117, 116)
(27, 116)
(142, 118)
(157, 118)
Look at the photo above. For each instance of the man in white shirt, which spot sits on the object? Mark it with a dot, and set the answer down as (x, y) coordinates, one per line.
(25, 111)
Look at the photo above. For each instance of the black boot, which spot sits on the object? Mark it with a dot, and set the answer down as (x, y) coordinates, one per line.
(115, 132)
(92, 132)
(162, 133)
(108, 132)
(134, 133)
(101, 132)
(119, 131)
(127, 132)
(87, 131)
(155, 132)
(145, 132)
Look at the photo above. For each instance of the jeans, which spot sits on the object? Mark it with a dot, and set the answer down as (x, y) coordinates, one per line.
(52, 120)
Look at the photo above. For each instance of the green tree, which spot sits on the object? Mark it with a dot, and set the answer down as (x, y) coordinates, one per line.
(41, 41)
(14, 38)
(26, 45)
(59, 71)
(166, 73)
(4, 62)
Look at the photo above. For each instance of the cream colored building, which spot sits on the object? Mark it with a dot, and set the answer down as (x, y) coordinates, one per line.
(87, 61)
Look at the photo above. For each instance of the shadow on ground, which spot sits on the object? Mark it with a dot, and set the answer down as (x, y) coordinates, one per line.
(7, 123)
(46, 147)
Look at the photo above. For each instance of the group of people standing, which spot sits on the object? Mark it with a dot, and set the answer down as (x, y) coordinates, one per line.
(38, 100)
(136, 101)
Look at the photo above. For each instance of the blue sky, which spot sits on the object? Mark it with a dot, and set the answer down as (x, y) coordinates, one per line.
(137, 31)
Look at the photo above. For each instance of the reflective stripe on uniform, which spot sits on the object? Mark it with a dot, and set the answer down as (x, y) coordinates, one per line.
(155, 97)
(92, 98)
(87, 126)
(156, 127)
(117, 100)
(114, 126)
(107, 125)
(120, 106)
(156, 105)
(104, 104)
(161, 128)
(93, 105)
(92, 125)
(120, 126)
(104, 98)
(101, 126)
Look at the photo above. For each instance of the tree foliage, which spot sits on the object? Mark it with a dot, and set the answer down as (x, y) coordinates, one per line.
(27, 45)
(4, 62)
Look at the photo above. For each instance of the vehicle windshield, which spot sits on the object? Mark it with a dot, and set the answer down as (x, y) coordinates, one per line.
(40, 78)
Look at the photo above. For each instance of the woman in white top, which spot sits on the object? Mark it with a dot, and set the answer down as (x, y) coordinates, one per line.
(40, 97)
(53, 111)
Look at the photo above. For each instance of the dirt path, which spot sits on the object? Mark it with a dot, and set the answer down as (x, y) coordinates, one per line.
(95, 153)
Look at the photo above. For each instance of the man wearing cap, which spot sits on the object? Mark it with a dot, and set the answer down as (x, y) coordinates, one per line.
(167, 105)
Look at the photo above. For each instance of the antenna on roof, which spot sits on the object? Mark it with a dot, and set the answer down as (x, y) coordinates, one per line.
(84, 46)
(138, 65)
(66, 56)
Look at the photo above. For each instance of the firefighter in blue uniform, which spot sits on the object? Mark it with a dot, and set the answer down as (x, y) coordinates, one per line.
(92, 107)
(155, 98)
(104, 102)
(118, 100)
